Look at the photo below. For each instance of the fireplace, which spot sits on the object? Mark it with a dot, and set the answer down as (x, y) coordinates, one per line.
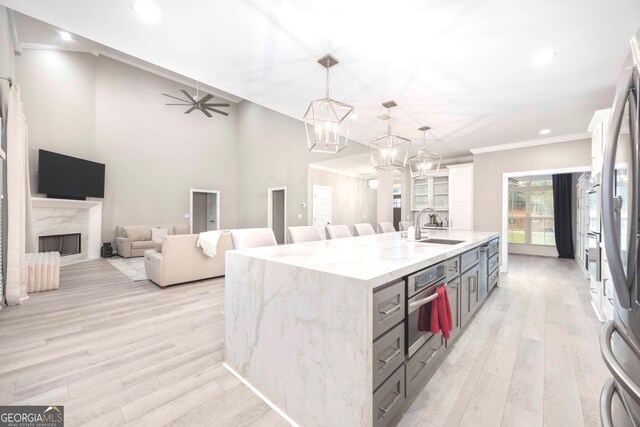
(66, 244)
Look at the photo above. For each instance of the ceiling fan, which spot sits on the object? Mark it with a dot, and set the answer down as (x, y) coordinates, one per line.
(197, 103)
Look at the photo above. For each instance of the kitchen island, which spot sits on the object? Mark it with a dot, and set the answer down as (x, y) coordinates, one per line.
(320, 329)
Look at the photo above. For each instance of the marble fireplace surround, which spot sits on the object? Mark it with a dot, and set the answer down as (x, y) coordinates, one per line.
(62, 216)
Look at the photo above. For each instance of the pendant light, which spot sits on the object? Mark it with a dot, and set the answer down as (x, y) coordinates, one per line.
(326, 119)
(425, 164)
(389, 151)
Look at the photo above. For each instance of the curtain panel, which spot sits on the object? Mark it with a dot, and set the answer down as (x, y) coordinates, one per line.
(562, 206)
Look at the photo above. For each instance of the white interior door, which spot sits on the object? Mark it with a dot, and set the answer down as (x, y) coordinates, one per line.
(321, 207)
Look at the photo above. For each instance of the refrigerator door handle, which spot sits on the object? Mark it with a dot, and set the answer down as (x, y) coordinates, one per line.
(611, 240)
(618, 372)
(606, 397)
(632, 252)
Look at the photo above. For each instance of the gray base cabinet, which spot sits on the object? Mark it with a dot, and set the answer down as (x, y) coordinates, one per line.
(455, 294)
(470, 299)
(397, 378)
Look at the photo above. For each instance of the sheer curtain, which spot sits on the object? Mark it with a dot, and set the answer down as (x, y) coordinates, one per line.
(19, 224)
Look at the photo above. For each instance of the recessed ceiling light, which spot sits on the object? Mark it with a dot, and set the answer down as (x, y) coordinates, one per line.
(545, 131)
(543, 57)
(66, 36)
(146, 10)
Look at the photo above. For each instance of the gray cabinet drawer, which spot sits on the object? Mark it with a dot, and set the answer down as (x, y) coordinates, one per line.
(452, 267)
(388, 354)
(420, 365)
(493, 263)
(388, 307)
(469, 259)
(493, 279)
(388, 399)
(494, 245)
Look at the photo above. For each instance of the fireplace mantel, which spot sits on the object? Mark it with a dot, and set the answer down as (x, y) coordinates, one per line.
(62, 216)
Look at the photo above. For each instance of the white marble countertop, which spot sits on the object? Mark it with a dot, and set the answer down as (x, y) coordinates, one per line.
(375, 259)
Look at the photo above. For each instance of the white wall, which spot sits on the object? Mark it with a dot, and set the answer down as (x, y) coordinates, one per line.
(273, 152)
(102, 110)
(488, 170)
(352, 202)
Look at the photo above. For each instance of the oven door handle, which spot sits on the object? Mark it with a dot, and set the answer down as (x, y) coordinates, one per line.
(423, 301)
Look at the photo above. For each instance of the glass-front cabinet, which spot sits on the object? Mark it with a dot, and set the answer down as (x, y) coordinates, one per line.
(431, 192)
(441, 192)
(420, 193)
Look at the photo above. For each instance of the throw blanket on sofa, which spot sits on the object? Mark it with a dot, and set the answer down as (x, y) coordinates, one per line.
(208, 241)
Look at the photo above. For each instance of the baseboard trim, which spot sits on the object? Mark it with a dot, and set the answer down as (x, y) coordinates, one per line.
(261, 396)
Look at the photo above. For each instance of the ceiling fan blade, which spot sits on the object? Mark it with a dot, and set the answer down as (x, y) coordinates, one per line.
(217, 111)
(216, 105)
(206, 113)
(190, 110)
(188, 96)
(174, 97)
(205, 99)
(184, 105)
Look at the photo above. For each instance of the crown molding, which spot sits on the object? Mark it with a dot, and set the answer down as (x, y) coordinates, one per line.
(169, 75)
(460, 165)
(450, 161)
(598, 116)
(17, 47)
(531, 143)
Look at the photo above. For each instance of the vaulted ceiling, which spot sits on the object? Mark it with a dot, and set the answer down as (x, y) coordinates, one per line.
(463, 67)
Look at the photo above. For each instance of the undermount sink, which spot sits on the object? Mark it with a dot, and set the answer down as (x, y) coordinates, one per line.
(440, 241)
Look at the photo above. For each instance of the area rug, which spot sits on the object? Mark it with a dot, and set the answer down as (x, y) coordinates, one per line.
(133, 268)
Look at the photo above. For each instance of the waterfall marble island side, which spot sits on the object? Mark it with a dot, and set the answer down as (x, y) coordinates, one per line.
(299, 319)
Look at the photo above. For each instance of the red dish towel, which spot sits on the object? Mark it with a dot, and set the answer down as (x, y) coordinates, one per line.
(441, 313)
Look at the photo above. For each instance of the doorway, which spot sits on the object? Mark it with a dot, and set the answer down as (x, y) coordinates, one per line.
(204, 210)
(509, 222)
(321, 207)
(277, 212)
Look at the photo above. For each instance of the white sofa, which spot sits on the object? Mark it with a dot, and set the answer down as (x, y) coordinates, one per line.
(181, 261)
(133, 240)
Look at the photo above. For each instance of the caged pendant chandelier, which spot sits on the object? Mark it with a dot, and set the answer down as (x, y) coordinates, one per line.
(425, 164)
(327, 118)
(389, 151)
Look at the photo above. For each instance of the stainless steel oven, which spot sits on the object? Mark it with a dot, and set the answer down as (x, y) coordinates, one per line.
(422, 288)
(594, 255)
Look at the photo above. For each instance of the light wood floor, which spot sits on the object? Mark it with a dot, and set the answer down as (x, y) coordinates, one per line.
(530, 358)
(115, 351)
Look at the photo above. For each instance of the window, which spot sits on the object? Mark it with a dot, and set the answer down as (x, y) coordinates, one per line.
(397, 202)
(531, 211)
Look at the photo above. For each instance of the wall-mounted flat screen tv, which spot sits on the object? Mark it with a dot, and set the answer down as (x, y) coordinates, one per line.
(61, 176)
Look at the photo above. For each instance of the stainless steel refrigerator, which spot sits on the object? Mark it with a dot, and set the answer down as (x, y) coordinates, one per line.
(620, 337)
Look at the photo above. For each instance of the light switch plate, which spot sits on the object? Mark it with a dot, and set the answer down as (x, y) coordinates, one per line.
(299, 216)
(186, 215)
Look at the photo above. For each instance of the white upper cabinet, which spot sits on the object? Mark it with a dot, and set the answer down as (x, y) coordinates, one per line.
(461, 197)
(598, 128)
